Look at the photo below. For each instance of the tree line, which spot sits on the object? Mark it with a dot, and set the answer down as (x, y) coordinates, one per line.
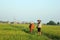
(49, 23)
(53, 23)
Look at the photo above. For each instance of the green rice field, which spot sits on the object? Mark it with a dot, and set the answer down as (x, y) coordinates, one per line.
(21, 32)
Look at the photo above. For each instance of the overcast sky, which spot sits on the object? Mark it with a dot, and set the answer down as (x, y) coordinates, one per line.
(30, 10)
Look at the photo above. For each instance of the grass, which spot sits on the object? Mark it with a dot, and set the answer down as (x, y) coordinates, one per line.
(52, 32)
(21, 32)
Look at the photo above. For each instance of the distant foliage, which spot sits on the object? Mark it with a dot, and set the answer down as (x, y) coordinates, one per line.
(58, 23)
(51, 23)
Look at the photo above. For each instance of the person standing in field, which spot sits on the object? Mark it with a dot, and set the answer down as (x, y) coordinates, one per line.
(31, 27)
(39, 27)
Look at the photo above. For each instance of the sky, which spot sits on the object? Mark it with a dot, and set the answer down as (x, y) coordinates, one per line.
(30, 10)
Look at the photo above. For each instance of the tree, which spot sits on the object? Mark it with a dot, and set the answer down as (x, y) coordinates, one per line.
(58, 23)
(51, 23)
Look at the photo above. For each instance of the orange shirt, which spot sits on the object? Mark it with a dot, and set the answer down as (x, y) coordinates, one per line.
(31, 26)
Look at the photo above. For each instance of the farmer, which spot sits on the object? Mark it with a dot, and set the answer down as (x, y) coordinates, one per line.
(31, 27)
(39, 27)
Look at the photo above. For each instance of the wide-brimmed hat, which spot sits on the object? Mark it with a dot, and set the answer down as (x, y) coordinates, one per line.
(31, 22)
(39, 20)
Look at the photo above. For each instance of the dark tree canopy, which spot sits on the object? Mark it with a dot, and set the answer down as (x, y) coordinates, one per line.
(58, 23)
(51, 23)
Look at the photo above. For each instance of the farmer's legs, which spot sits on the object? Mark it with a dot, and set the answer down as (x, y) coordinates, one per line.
(30, 30)
(39, 31)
